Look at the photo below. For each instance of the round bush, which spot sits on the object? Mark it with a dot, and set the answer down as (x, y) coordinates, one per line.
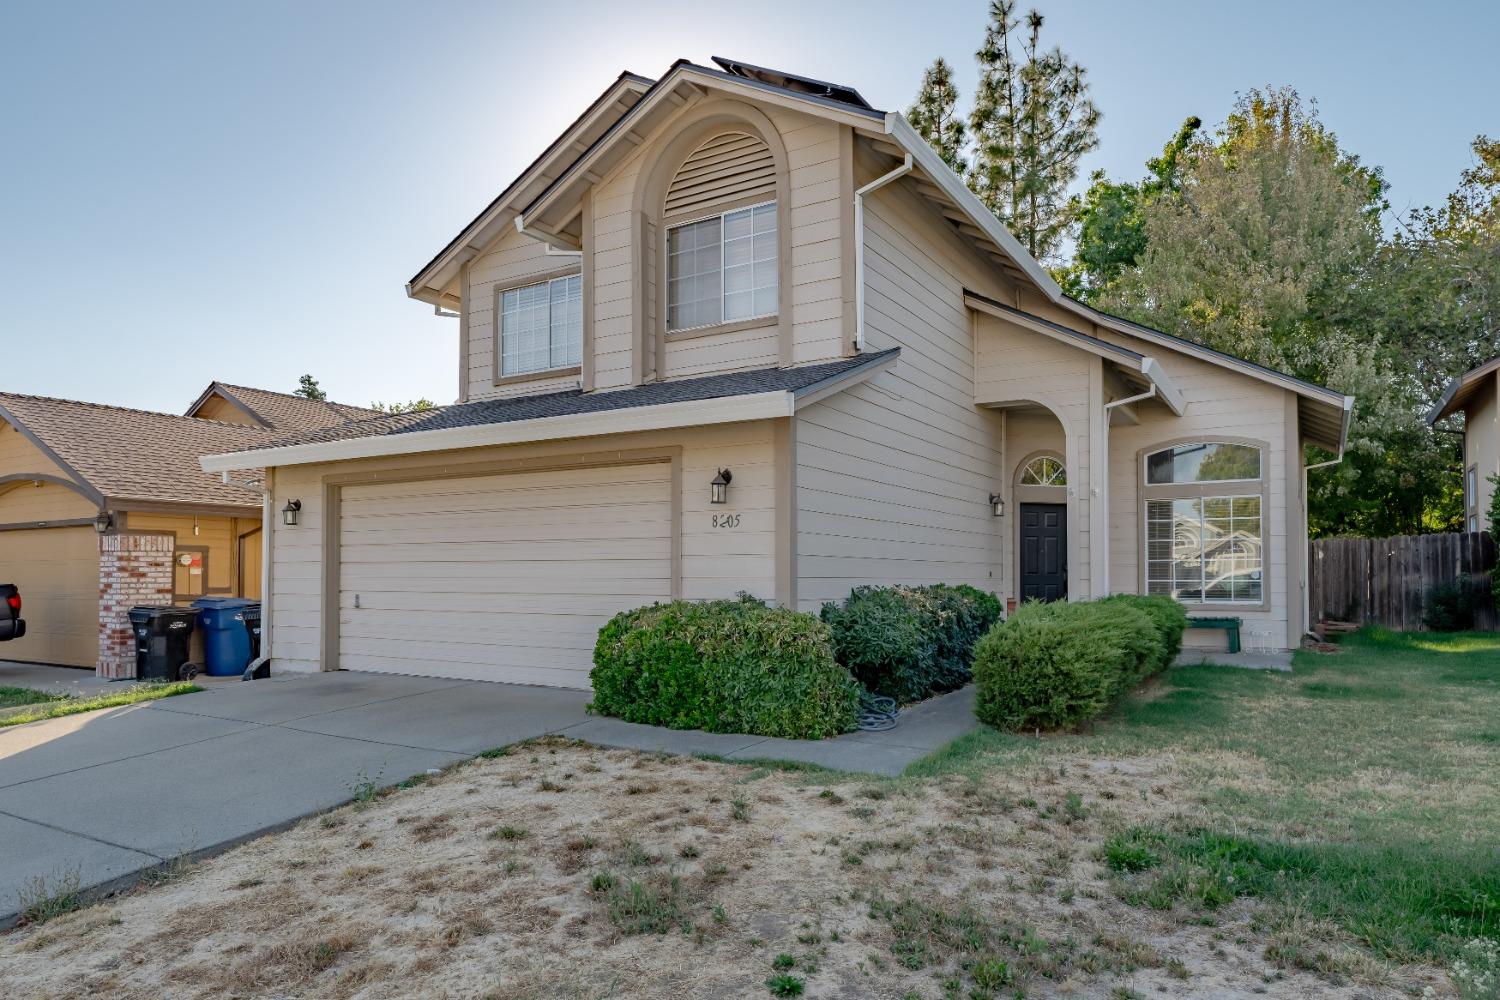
(1059, 664)
(1170, 619)
(910, 642)
(725, 667)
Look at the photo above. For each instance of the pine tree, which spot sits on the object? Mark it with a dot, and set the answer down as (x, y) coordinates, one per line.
(308, 387)
(1032, 122)
(935, 115)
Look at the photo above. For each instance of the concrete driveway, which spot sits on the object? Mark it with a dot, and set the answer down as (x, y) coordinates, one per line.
(105, 795)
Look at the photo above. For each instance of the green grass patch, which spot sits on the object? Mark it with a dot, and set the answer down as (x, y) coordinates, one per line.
(1361, 787)
(11, 697)
(1404, 902)
(52, 708)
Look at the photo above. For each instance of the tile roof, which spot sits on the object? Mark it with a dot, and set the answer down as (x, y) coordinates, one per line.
(285, 412)
(136, 454)
(575, 401)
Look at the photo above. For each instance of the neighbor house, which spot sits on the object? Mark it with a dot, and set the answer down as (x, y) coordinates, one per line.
(1476, 394)
(736, 330)
(103, 507)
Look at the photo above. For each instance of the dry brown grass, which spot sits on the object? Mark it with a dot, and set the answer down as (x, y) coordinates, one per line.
(875, 888)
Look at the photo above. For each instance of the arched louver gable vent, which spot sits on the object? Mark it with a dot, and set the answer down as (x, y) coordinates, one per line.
(730, 167)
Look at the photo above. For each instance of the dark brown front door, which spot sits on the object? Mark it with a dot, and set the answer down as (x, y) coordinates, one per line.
(1044, 551)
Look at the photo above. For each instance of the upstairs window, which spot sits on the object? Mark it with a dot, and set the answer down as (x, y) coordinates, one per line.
(722, 269)
(541, 326)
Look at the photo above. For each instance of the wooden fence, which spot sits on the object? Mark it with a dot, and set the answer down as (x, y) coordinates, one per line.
(1385, 581)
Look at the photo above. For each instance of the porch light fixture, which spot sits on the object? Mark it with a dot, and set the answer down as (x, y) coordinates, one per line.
(289, 513)
(997, 505)
(718, 490)
(103, 522)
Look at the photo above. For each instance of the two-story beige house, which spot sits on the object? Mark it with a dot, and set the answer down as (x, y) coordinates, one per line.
(736, 330)
(1476, 394)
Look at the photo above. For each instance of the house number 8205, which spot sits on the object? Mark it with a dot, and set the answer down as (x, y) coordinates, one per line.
(726, 521)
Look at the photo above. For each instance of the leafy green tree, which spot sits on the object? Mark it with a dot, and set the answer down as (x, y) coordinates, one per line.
(412, 406)
(1111, 222)
(1266, 251)
(308, 387)
(935, 115)
(1032, 121)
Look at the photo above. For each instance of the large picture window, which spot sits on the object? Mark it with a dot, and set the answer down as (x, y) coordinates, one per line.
(541, 326)
(722, 269)
(1204, 537)
(1205, 550)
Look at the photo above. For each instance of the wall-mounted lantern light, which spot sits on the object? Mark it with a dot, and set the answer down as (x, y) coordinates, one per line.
(103, 522)
(718, 490)
(289, 513)
(997, 505)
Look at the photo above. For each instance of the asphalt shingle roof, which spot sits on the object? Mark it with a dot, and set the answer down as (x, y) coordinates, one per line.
(136, 454)
(286, 412)
(575, 401)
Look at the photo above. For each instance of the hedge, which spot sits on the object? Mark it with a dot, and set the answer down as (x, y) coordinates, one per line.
(1170, 619)
(725, 667)
(910, 642)
(1060, 664)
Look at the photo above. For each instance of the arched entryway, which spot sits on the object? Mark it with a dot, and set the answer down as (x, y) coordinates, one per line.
(1041, 498)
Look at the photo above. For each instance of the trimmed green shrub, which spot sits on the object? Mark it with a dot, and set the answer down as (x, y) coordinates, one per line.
(910, 642)
(1059, 664)
(725, 667)
(1170, 619)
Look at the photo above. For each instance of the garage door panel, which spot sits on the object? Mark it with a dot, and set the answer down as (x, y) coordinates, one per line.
(503, 577)
(528, 674)
(626, 548)
(57, 570)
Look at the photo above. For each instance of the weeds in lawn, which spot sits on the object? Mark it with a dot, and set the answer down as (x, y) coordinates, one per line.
(508, 833)
(365, 789)
(739, 809)
(42, 899)
(785, 985)
(651, 907)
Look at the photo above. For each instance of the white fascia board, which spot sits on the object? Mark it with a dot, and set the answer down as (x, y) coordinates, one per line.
(899, 129)
(663, 416)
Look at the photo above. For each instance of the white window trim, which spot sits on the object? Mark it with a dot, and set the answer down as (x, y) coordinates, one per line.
(1212, 483)
(501, 377)
(1205, 600)
(666, 277)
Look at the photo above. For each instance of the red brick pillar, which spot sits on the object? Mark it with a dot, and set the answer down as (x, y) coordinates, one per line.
(133, 569)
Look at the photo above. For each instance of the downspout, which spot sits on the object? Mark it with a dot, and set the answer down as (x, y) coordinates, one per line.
(859, 246)
(1335, 460)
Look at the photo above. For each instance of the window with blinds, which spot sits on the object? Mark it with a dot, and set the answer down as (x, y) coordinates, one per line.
(541, 326)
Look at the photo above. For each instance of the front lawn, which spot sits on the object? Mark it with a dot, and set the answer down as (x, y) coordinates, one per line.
(45, 705)
(1222, 833)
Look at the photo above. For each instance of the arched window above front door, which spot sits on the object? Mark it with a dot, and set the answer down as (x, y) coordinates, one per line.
(1044, 471)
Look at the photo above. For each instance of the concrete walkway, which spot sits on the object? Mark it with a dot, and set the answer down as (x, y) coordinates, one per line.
(105, 795)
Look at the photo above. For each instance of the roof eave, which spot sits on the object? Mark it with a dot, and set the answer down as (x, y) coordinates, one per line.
(430, 283)
(664, 416)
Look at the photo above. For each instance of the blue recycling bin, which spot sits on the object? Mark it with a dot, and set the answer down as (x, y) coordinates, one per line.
(226, 641)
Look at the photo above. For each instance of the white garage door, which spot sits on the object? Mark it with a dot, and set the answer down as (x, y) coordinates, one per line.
(57, 570)
(501, 578)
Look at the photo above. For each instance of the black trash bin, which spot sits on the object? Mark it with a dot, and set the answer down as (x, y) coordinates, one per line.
(252, 625)
(161, 642)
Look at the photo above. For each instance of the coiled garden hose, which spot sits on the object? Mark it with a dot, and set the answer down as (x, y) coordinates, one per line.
(877, 713)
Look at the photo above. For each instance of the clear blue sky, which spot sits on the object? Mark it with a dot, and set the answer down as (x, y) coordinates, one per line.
(240, 191)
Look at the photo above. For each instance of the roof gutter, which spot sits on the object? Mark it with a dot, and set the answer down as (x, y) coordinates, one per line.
(859, 245)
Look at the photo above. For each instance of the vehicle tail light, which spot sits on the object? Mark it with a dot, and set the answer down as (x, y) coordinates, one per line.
(14, 600)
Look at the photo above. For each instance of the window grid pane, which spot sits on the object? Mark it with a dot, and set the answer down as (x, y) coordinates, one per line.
(541, 326)
(723, 269)
(1205, 551)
